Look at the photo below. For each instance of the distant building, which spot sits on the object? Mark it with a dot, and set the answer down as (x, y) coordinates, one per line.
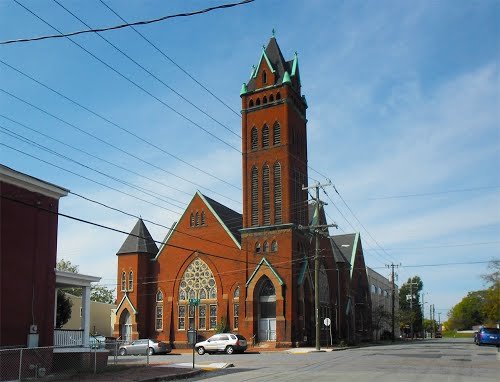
(102, 316)
(381, 297)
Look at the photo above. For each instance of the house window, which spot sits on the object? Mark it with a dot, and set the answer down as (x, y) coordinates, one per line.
(257, 103)
(124, 281)
(276, 134)
(278, 96)
(274, 246)
(191, 310)
(159, 296)
(266, 246)
(182, 317)
(81, 311)
(277, 194)
(131, 280)
(191, 220)
(202, 217)
(257, 247)
(159, 317)
(254, 138)
(255, 197)
(213, 316)
(250, 104)
(264, 100)
(236, 293)
(264, 77)
(236, 313)
(271, 98)
(266, 202)
(265, 136)
(202, 317)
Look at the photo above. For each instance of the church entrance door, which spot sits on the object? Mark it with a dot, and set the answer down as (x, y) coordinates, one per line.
(267, 311)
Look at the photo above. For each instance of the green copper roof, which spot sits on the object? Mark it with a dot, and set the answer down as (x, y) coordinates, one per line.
(244, 89)
(286, 78)
(265, 263)
(303, 270)
(263, 55)
(294, 64)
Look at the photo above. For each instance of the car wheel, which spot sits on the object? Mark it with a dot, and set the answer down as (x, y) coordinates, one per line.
(151, 351)
(200, 350)
(229, 350)
(123, 351)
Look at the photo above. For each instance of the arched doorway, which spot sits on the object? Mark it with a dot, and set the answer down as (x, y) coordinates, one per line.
(125, 326)
(267, 310)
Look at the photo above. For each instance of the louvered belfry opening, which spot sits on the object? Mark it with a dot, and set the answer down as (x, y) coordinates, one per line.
(266, 202)
(277, 194)
(254, 139)
(276, 134)
(255, 197)
(265, 136)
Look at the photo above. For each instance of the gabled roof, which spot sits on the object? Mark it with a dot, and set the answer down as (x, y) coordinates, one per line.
(278, 65)
(232, 221)
(264, 262)
(125, 298)
(343, 247)
(139, 241)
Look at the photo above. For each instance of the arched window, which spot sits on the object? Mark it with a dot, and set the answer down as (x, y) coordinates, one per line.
(264, 100)
(274, 246)
(236, 308)
(271, 98)
(236, 293)
(266, 201)
(159, 311)
(250, 104)
(197, 282)
(124, 281)
(202, 217)
(254, 138)
(265, 247)
(276, 134)
(197, 219)
(277, 194)
(131, 280)
(265, 136)
(264, 77)
(278, 96)
(257, 247)
(257, 103)
(191, 220)
(159, 296)
(255, 197)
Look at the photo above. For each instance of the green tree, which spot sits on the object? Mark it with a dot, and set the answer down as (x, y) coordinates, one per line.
(98, 292)
(491, 307)
(409, 305)
(380, 317)
(468, 312)
(64, 305)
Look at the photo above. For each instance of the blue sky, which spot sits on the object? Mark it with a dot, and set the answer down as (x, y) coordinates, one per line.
(403, 117)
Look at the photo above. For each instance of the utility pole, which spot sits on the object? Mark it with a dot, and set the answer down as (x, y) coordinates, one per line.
(393, 298)
(411, 306)
(317, 228)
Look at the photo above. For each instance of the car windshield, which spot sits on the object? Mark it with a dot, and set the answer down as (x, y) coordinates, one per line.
(240, 337)
(491, 330)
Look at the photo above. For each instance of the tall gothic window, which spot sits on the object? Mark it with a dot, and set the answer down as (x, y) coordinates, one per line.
(124, 281)
(264, 77)
(159, 311)
(277, 194)
(236, 307)
(266, 202)
(265, 136)
(191, 220)
(276, 134)
(131, 280)
(254, 138)
(202, 217)
(255, 197)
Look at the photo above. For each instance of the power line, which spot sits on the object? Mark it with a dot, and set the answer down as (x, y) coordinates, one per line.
(435, 193)
(149, 71)
(183, 116)
(172, 61)
(145, 22)
(83, 131)
(107, 120)
(444, 246)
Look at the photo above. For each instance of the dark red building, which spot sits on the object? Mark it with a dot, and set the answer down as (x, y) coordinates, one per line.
(28, 244)
(253, 272)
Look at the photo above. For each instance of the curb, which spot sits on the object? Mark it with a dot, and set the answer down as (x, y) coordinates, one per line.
(173, 377)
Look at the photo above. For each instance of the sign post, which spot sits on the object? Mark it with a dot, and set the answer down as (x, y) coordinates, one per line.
(194, 335)
(328, 323)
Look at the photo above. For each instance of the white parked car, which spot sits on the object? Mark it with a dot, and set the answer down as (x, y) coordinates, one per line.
(223, 342)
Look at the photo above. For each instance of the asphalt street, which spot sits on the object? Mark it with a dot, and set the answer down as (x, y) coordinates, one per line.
(429, 360)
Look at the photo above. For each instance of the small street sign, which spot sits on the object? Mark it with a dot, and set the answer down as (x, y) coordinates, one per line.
(194, 301)
(327, 321)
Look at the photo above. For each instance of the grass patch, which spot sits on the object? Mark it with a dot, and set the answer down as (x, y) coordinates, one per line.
(454, 334)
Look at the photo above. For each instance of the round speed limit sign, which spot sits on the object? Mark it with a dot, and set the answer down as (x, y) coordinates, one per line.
(327, 321)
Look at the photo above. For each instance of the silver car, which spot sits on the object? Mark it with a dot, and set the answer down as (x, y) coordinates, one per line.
(144, 347)
(223, 342)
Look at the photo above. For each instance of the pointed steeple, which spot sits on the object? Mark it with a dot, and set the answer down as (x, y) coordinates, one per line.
(244, 89)
(286, 78)
(139, 241)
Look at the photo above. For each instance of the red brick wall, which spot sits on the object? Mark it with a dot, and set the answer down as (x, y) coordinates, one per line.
(28, 246)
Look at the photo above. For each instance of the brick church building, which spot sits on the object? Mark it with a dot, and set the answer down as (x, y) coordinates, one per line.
(252, 273)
